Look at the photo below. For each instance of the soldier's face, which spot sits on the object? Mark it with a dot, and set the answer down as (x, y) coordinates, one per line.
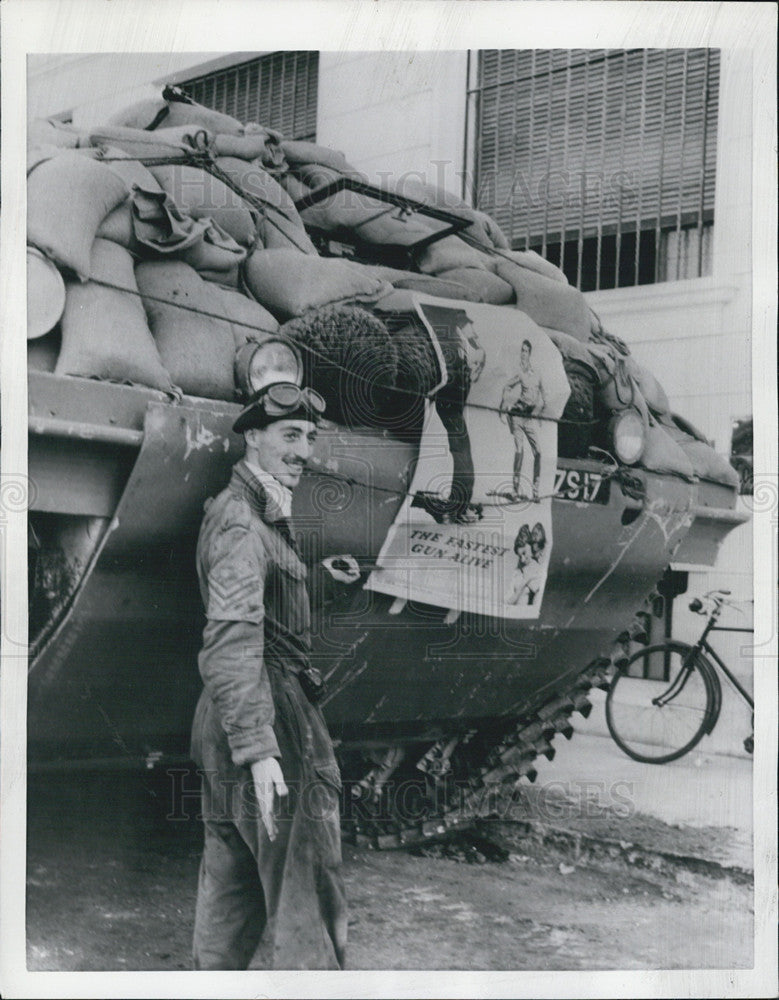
(524, 355)
(283, 448)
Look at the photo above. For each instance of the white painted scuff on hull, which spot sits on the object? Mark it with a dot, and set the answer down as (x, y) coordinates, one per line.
(204, 438)
(655, 512)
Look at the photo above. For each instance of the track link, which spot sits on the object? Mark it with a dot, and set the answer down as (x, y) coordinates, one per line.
(453, 805)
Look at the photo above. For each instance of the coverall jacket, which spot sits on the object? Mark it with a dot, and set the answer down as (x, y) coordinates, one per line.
(255, 641)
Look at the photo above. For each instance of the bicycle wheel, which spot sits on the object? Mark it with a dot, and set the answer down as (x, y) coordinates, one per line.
(656, 721)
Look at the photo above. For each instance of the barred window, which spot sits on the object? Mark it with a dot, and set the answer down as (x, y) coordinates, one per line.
(601, 160)
(278, 90)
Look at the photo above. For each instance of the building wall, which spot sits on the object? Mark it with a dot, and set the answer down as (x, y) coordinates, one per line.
(395, 112)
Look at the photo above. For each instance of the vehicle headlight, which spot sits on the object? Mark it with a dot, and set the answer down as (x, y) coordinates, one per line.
(628, 436)
(273, 360)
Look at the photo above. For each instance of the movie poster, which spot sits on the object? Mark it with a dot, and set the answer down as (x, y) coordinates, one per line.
(475, 532)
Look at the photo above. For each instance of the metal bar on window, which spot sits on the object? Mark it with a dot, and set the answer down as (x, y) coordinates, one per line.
(529, 186)
(642, 129)
(599, 235)
(566, 138)
(623, 115)
(307, 91)
(703, 159)
(514, 141)
(659, 251)
(548, 133)
(474, 96)
(681, 170)
(295, 93)
(496, 147)
(583, 185)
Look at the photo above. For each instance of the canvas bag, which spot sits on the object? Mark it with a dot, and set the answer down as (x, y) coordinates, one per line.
(104, 330)
(279, 226)
(68, 196)
(143, 113)
(288, 282)
(196, 349)
(199, 194)
(548, 302)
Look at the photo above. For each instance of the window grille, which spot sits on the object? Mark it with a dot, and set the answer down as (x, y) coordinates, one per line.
(601, 160)
(278, 91)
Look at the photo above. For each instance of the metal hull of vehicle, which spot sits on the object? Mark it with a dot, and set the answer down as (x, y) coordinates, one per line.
(119, 497)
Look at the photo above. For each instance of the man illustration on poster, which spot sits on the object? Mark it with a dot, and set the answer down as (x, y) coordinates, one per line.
(465, 359)
(522, 401)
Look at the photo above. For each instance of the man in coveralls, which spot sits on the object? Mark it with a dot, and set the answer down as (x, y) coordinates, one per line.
(270, 793)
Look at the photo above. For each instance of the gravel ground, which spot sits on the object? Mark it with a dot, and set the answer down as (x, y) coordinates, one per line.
(111, 886)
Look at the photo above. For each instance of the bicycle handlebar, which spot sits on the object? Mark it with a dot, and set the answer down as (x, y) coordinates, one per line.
(717, 597)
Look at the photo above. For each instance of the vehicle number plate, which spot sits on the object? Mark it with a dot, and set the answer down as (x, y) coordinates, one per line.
(581, 485)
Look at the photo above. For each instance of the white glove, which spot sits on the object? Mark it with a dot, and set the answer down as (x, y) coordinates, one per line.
(267, 779)
(342, 568)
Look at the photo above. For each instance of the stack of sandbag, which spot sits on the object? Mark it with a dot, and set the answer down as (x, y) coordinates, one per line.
(217, 258)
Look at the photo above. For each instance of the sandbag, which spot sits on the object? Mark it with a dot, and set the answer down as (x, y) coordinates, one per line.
(45, 294)
(663, 455)
(535, 262)
(172, 142)
(298, 152)
(440, 287)
(349, 357)
(143, 113)
(617, 388)
(40, 154)
(49, 132)
(279, 226)
(706, 462)
(247, 318)
(450, 253)
(572, 348)
(196, 349)
(548, 302)
(117, 227)
(257, 143)
(426, 283)
(43, 352)
(104, 330)
(199, 194)
(215, 256)
(68, 197)
(487, 286)
(652, 391)
(130, 170)
(288, 282)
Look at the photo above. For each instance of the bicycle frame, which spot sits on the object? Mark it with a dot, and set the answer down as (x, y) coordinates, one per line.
(703, 644)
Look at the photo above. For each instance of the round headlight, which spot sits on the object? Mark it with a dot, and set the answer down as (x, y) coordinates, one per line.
(628, 436)
(257, 365)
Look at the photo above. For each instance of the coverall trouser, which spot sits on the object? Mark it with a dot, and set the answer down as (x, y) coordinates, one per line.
(292, 884)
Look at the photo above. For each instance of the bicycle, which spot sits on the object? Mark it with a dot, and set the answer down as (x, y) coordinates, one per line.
(657, 721)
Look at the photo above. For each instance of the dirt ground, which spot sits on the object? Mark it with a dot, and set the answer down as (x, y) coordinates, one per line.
(112, 880)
